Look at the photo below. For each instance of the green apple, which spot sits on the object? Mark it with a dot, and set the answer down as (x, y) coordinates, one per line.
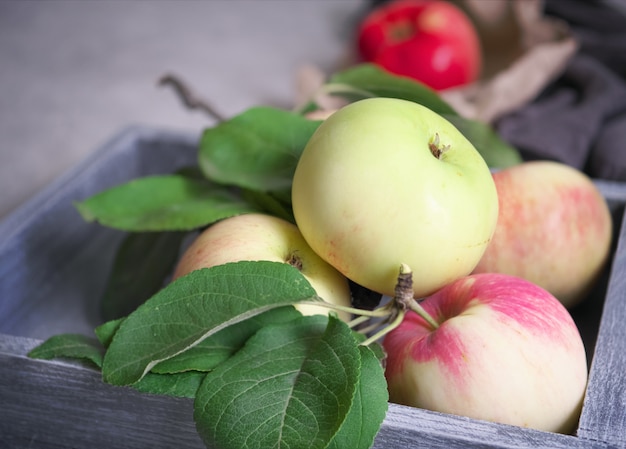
(385, 181)
(265, 237)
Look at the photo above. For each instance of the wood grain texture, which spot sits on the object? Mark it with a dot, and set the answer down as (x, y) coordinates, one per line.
(604, 414)
(51, 404)
(52, 270)
(54, 405)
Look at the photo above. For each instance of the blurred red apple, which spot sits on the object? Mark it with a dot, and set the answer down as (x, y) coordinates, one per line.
(432, 41)
(554, 229)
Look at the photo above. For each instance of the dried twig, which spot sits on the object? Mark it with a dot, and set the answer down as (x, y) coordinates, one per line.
(189, 99)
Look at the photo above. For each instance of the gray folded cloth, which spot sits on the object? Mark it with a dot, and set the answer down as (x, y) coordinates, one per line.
(580, 118)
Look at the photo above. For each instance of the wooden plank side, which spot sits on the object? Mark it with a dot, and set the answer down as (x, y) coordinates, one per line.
(51, 404)
(408, 427)
(604, 413)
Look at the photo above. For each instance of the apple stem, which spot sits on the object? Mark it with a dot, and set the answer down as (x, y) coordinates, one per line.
(404, 295)
(417, 308)
(436, 148)
(295, 261)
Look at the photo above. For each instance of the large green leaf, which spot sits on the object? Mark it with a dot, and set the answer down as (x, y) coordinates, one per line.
(213, 350)
(162, 203)
(209, 353)
(368, 80)
(194, 307)
(369, 406)
(291, 386)
(256, 150)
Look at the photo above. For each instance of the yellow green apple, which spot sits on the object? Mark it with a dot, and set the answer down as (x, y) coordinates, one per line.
(386, 181)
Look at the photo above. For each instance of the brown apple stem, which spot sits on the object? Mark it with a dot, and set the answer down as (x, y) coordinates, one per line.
(436, 148)
(404, 295)
(402, 301)
(189, 99)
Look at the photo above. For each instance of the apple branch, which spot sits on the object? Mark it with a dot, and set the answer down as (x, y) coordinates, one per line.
(392, 323)
(376, 313)
(391, 313)
(402, 301)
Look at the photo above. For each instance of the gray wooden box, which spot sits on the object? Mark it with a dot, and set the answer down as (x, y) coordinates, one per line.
(53, 267)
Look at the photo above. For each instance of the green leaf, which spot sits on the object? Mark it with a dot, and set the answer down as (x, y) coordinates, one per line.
(368, 80)
(193, 308)
(107, 330)
(212, 351)
(291, 386)
(69, 346)
(162, 203)
(201, 358)
(495, 151)
(182, 385)
(369, 407)
(270, 204)
(256, 150)
(142, 262)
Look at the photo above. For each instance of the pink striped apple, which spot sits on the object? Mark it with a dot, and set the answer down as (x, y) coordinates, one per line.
(504, 350)
(265, 237)
(554, 229)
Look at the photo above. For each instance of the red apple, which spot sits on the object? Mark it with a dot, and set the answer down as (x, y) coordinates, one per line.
(554, 229)
(505, 350)
(432, 41)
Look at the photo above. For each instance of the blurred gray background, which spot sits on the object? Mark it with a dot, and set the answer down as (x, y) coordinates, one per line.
(75, 73)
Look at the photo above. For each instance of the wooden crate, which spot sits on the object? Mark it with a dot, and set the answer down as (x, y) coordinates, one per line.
(53, 267)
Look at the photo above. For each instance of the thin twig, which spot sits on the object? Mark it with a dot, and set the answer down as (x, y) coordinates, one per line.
(189, 99)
